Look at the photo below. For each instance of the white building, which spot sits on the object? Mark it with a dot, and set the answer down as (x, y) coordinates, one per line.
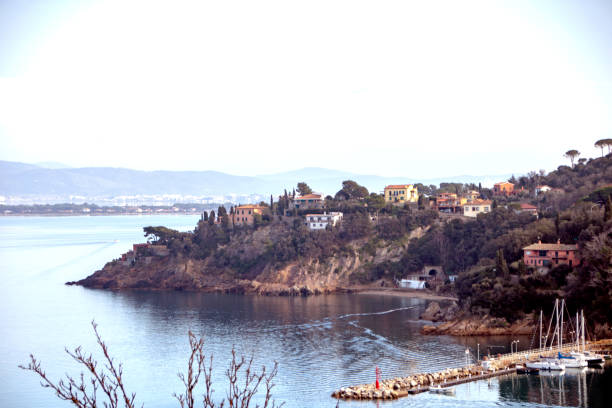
(476, 207)
(541, 189)
(321, 221)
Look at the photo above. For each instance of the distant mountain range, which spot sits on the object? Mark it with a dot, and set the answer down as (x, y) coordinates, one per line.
(21, 179)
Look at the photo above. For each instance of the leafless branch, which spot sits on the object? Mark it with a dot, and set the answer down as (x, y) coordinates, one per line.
(82, 391)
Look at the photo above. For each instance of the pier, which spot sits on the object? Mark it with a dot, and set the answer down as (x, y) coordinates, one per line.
(499, 365)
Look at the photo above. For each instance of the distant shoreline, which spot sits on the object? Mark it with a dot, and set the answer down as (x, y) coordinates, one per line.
(96, 215)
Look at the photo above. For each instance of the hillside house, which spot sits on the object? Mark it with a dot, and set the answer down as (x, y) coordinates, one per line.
(245, 214)
(450, 203)
(528, 208)
(475, 207)
(312, 201)
(472, 195)
(542, 257)
(321, 221)
(503, 188)
(542, 189)
(398, 194)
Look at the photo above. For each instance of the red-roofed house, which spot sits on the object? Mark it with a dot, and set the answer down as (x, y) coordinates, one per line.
(312, 201)
(528, 208)
(544, 256)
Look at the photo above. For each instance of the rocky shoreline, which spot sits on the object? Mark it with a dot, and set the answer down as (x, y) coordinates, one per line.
(458, 323)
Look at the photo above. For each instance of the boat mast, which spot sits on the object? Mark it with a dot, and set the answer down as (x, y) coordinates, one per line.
(540, 329)
(577, 332)
(555, 331)
(561, 327)
(582, 329)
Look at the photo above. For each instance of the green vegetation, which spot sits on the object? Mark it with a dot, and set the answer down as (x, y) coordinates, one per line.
(485, 252)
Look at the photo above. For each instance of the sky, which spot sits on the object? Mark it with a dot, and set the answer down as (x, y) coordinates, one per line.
(419, 89)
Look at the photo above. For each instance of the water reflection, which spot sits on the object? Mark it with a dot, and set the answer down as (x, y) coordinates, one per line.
(584, 387)
(321, 343)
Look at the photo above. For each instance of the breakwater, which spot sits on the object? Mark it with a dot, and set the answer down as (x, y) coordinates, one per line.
(395, 388)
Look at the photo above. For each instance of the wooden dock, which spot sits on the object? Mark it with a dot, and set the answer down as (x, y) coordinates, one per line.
(415, 384)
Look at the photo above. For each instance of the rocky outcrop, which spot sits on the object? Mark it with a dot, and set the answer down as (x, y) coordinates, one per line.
(304, 277)
(481, 326)
(435, 313)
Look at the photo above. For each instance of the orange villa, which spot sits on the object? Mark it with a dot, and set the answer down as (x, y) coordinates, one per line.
(244, 214)
(503, 188)
(544, 256)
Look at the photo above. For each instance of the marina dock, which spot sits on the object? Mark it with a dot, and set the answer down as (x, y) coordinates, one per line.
(500, 364)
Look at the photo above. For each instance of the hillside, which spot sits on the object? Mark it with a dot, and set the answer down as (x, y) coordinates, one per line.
(379, 242)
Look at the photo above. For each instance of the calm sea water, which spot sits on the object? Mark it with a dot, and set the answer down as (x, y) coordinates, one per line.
(321, 343)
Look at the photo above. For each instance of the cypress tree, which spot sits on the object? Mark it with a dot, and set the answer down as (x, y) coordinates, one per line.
(501, 265)
(211, 217)
(608, 209)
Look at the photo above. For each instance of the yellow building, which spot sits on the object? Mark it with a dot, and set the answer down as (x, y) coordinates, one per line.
(401, 193)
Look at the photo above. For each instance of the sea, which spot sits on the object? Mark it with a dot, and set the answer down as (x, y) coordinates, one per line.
(320, 343)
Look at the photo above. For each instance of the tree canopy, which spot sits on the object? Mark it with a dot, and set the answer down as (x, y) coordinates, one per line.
(351, 190)
(303, 188)
(572, 154)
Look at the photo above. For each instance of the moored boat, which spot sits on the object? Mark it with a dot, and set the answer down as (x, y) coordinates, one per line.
(546, 364)
(526, 370)
(442, 390)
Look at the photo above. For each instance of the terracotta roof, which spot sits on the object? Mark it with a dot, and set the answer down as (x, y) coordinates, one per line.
(399, 186)
(525, 206)
(247, 206)
(503, 182)
(309, 197)
(479, 202)
(551, 247)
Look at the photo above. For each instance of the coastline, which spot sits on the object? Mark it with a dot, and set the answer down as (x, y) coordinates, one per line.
(407, 293)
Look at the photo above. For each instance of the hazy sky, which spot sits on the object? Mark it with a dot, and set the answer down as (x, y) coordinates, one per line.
(414, 88)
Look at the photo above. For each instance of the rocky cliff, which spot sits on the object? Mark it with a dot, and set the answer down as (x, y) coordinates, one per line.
(243, 266)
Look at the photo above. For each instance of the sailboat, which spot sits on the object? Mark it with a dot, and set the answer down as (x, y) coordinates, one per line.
(592, 359)
(570, 360)
(548, 364)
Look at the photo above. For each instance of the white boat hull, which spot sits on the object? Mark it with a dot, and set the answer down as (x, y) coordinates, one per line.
(549, 365)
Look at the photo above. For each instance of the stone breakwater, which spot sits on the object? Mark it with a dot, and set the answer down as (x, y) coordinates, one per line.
(402, 386)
